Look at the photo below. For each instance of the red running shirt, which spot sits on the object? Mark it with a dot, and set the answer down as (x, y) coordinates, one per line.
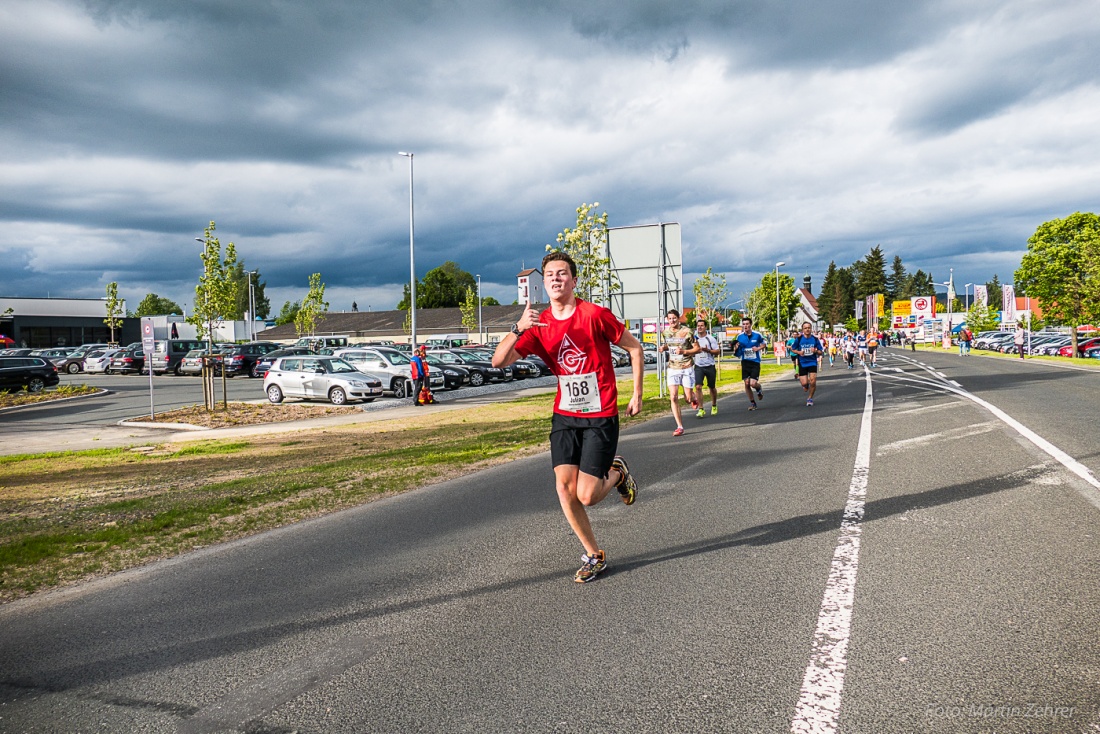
(578, 351)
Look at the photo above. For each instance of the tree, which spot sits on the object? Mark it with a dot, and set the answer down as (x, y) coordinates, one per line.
(313, 305)
(469, 310)
(762, 299)
(489, 301)
(259, 298)
(837, 296)
(895, 282)
(710, 293)
(587, 245)
(114, 309)
(870, 273)
(216, 293)
(993, 288)
(1061, 269)
(289, 313)
(442, 287)
(154, 305)
(981, 318)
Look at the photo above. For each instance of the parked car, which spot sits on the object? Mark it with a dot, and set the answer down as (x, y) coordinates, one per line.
(1082, 346)
(521, 368)
(56, 355)
(544, 369)
(454, 376)
(619, 356)
(264, 362)
(97, 360)
(32, 374)
(317, 343)
(17, 352)
(191, 364)
(390, 364)
(1093, 353)
(74, 362)
(127, 361)
(242, 358)
(169, 353)
(319, 378)
(481, 371)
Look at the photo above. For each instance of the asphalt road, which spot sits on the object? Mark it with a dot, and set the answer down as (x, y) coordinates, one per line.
(897, 558)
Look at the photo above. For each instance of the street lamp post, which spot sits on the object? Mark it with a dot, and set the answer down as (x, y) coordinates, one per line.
(967, 293)
(251, 308)
(777, 339)
(412, 254)
(480, 336)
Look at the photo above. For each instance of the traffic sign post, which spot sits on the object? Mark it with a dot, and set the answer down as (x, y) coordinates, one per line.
(148, 343)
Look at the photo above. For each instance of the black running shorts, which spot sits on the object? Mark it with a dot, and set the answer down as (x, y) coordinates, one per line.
(806, 369)
(705, 374)
(589, 443)
(750, 370)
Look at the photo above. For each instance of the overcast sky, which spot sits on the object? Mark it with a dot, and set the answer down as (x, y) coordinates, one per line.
(803, 131)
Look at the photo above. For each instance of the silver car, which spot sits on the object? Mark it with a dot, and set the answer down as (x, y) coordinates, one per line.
(391, 365)
(312, 377)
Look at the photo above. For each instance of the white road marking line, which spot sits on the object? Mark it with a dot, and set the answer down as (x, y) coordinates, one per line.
(908, 443)
(818, 708)
(955, 383)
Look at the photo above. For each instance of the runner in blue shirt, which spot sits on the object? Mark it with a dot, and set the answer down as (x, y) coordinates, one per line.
(750, 345)
(807, 349)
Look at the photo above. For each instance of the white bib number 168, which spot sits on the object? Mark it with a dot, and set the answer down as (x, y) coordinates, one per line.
(579, 393)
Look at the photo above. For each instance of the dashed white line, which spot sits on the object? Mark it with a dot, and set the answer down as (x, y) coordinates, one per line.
(818, 709)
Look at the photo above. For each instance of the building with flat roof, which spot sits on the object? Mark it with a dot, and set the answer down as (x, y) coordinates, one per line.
(40, 323)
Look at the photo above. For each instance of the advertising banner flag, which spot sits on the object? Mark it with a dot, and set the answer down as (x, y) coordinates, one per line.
(1008, 303)
(871, 316)
(880, 305)
(859, 310)
(981, 295)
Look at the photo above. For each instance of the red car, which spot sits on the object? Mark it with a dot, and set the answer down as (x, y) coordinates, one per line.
(1081, 346)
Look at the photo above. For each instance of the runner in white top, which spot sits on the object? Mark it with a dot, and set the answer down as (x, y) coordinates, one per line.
(705, 370)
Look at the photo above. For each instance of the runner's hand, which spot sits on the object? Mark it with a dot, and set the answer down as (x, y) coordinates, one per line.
(529, 319)
(635, 405)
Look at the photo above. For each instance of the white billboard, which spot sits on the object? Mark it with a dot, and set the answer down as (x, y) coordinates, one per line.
(648, 261)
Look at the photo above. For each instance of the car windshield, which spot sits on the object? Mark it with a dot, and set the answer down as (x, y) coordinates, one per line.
(447, 358)
(337, 365)
(397, 357)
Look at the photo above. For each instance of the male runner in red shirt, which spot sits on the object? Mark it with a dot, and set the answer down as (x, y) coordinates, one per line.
(573, 338)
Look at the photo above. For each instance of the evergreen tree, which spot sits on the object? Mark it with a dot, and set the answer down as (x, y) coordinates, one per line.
(895, 283)
(870, 273)
(993, 287)
(442, 287)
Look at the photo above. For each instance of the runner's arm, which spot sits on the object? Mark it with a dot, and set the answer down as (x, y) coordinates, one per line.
(637, 367)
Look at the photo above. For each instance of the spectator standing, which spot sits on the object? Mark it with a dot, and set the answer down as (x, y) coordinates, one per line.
(1018, 339)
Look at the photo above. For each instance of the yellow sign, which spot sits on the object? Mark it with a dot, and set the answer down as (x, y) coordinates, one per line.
(902, 308)
(880, 305)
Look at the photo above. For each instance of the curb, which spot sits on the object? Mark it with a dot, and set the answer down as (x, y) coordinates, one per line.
(99, 391)
(129, 423)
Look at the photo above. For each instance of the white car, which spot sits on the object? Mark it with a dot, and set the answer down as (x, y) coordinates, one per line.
(315, 377)
(392, 365)
(97, 360)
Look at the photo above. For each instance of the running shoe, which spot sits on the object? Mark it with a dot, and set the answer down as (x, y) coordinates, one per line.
(694, 403)
(627, 487)
(591, 568)
(759, 394)
(700, 413)
(809, 402)
(752, 406)
(679, 431)
(714, 410)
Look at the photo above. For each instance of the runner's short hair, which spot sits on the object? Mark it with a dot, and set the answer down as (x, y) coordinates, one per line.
(746, 318)
(560, 256)
(673, 311)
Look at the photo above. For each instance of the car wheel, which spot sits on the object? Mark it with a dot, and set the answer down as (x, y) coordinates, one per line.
(36, 384)
(477, 379)
(254, 371)
(73, 368)
(274, 394)
(337, 396)
(178, 372)
(398, 388)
